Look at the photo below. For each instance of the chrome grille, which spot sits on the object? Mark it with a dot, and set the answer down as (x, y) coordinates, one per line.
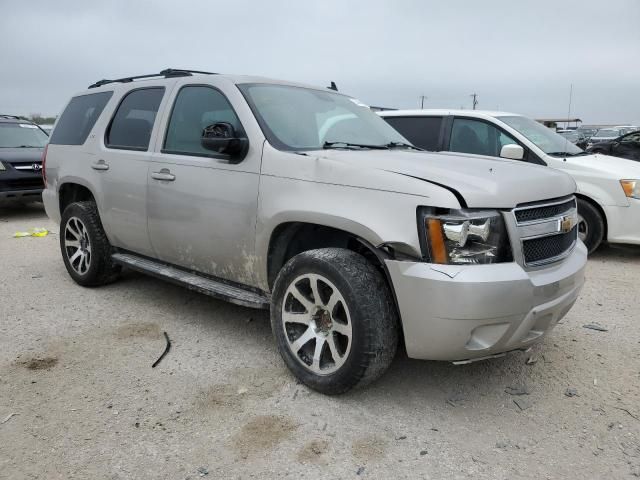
(537, 213)
(543, 248)
(548, 231)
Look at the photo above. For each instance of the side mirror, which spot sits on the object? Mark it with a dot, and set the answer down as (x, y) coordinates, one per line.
(513, 152)
(221, 137)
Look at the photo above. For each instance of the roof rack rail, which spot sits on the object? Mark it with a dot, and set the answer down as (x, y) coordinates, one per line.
(166, 73)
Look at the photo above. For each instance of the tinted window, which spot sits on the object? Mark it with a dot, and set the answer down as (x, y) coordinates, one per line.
(423, 132)
(132, 124)
(632, 138)
(195, 108)
(21, 135)
(78, 118)
(480, 138)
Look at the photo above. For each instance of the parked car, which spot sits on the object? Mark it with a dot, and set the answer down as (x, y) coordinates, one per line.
(608, 187)
(21, 145)
(626, 146)
(586, 132)
(605, 135)
(271, 194)
(574, 137)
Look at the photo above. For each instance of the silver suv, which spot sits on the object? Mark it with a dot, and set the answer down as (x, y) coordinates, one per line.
(271, 194)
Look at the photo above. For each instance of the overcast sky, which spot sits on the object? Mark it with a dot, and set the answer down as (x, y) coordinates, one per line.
(519, 56)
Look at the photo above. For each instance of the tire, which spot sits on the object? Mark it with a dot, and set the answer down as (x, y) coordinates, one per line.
(354, 300)
(590, 225)
(81, 231)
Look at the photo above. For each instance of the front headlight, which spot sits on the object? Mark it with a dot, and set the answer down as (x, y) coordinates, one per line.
(464, 237)
(2, 167)
(631, 188)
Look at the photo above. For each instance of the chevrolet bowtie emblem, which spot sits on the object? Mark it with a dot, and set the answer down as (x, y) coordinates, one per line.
(567, 223)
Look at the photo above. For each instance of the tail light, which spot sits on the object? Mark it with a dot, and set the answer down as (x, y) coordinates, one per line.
(44, 164)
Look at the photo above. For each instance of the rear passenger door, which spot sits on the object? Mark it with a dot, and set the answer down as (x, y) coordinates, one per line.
(423, 132)
(123, 164)
(201, 206)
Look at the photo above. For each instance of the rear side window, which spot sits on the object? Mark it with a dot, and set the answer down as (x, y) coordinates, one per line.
(423, 132)
(77, 120)
(131, 126)
(195, 108)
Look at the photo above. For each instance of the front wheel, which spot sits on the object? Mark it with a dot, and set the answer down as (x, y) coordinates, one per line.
(590, 225)
(334, 320)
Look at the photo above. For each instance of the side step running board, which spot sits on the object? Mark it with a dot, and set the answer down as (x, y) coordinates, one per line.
(192, 281)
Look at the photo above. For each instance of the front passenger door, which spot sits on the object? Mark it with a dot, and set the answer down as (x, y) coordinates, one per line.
(201, 207)
(478, 137)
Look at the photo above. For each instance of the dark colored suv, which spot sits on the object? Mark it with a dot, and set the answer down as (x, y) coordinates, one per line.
(626, 146)
(21, 145)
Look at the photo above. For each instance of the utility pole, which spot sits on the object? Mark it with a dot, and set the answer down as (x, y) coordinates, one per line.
(422, 99)
(569, 112)
(475, 101)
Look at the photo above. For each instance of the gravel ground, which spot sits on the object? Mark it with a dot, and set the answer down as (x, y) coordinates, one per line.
(75, 370)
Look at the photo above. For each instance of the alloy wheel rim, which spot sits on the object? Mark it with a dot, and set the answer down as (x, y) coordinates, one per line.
(77, 245)
(317, 324)
(583, 228)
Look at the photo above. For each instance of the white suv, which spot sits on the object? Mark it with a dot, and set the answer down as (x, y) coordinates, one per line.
(608, 187)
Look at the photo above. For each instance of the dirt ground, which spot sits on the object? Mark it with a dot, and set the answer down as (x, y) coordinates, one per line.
(79, 399)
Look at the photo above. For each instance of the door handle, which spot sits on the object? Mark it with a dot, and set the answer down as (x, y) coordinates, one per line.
(163, 174)
(100, 165)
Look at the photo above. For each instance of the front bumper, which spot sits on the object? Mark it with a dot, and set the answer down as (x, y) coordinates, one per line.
(16, 184)
(458, 313)
(33, 194)
(623, 223)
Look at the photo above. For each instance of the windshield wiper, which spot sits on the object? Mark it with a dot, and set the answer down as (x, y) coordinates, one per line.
(567, 154)
(402, 145)
(327, 145)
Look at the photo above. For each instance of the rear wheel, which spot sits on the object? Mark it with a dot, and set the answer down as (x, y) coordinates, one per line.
(590, 225)
(85, 249)
(334, 320)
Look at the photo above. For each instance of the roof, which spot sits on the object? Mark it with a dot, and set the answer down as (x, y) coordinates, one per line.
(171, 74)
(433, 111)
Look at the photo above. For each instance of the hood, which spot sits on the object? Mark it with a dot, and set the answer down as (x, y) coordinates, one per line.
(482, 182)
(605, 166)
(21, 155)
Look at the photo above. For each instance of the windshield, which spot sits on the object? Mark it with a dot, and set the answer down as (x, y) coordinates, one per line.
(297, 118)
(607, 132)
(21, 135)
(570, 135)
(545, 139)
(586, 131)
